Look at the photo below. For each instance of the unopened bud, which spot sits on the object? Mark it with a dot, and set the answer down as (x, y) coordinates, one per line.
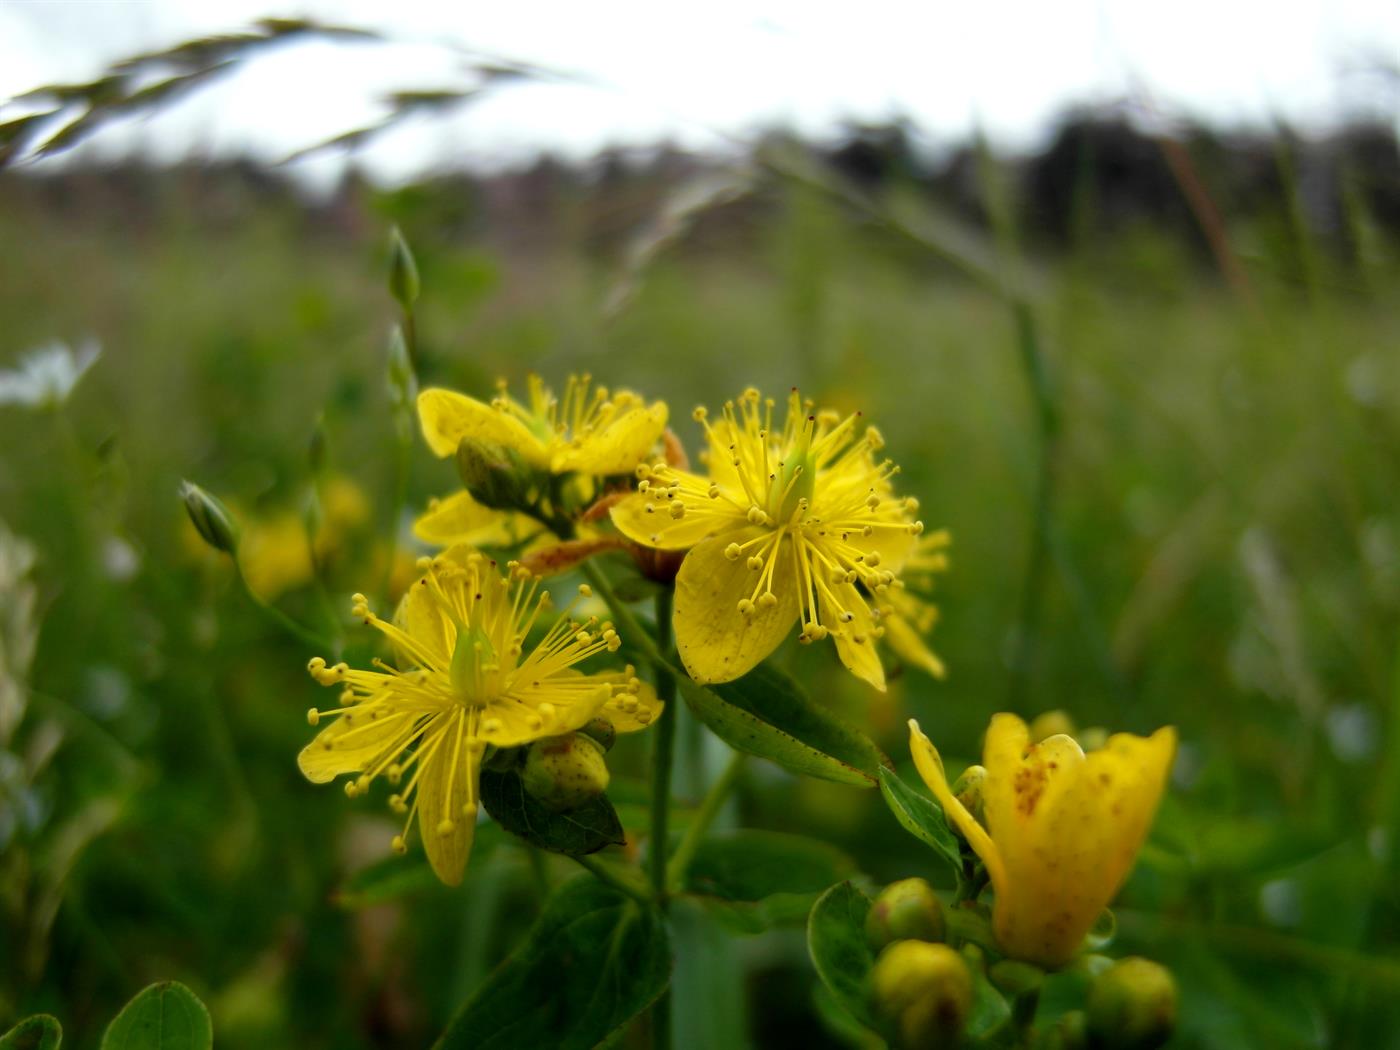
(907, 910)
(601, 732)
(967, 789)
(922, 994)
(564, 772)
(211, 519)
(403, 271)
(1051, 723)
(492, 474)
(1132, 1006)
(1095, 738)
(1070, 1032)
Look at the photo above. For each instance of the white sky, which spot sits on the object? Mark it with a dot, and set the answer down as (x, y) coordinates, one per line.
(696, 73)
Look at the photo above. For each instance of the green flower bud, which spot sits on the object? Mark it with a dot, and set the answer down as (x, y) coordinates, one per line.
(1070, 1032)
(967, 789)
(211, 519)
(922, 994)
(402, 382)
(906, 910)
(1132, 1006)
(564, 772)
(494, 476)
(403, 271)
(601, 732)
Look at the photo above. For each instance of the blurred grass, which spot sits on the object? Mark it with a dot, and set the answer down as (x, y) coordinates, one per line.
(1224, 554)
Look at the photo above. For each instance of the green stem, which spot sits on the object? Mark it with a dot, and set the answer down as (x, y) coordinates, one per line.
(662, 756)
(704, 817)
(629, 627)
(281, 619)
(604, 873)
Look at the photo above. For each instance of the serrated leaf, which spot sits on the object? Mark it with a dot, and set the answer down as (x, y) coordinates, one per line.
(754, 880)
(593, 961)
(40, 1032)
(575, 832)
(921, 816)
(767, 713)
(164, 1016)
(839, 950)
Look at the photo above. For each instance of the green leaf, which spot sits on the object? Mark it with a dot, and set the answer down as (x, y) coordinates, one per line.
(40, 1032)
(989, 1007)
(766, 713)
(575, 832)
(593, 961)
(758, 879)
(921, 816)
(840, 952)
(165, 1016)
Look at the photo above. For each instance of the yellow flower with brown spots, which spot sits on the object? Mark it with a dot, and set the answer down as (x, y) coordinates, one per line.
(1062, 828)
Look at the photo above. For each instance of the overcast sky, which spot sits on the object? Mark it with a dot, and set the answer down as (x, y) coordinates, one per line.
(700, 73)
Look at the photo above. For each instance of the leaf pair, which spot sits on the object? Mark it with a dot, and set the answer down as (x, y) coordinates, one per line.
(164, 1016)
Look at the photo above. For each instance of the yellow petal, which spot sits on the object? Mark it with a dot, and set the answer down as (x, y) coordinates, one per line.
(447, 417)
(420, 615)
(717, 642)
(447, 792)
(460, 519)
(855, 639)
(351, 743)
(930, 766)
(910, 646)
(517, 718)
(645, 518)
(617, 447)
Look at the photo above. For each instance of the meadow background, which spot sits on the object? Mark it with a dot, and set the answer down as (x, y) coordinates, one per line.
(1149, 384)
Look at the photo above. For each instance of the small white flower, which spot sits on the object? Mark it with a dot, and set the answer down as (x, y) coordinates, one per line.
(46, 376)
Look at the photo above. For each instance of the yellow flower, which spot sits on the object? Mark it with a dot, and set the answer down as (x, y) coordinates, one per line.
(591, 431)
(274, 553)
(1062, 828)
(460, 519)
(796, 524)
(465, 682)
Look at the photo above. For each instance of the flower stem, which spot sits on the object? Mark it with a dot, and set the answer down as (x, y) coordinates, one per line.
(281, 619)
(663, 752)
(605, 873)
(709, 809)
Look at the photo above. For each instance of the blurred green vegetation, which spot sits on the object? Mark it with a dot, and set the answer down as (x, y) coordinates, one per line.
(1222, 552)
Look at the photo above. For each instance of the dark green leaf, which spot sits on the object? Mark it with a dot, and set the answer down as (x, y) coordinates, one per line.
(165, 1016)
(585, 829)
(593, 961)
(758, 879)
(40, 1032)
(921, 816)
(766, 713)
(839, 950)
(989, 1006)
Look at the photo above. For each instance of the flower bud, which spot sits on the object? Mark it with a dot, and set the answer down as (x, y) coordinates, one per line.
(967, 789)
(211, 519)
(1070, 1032)
(564, 772)
(906, 910)
(492, 474)
(1051, 723)
(601, 732)
(1132, 1006)
(922, 994)
(399, 374)
(403, 271)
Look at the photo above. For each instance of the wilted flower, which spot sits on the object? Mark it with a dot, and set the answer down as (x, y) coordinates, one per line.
(590, 431)
(46, 376)
(465, 682)
(795, 524)
(1062, 828)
